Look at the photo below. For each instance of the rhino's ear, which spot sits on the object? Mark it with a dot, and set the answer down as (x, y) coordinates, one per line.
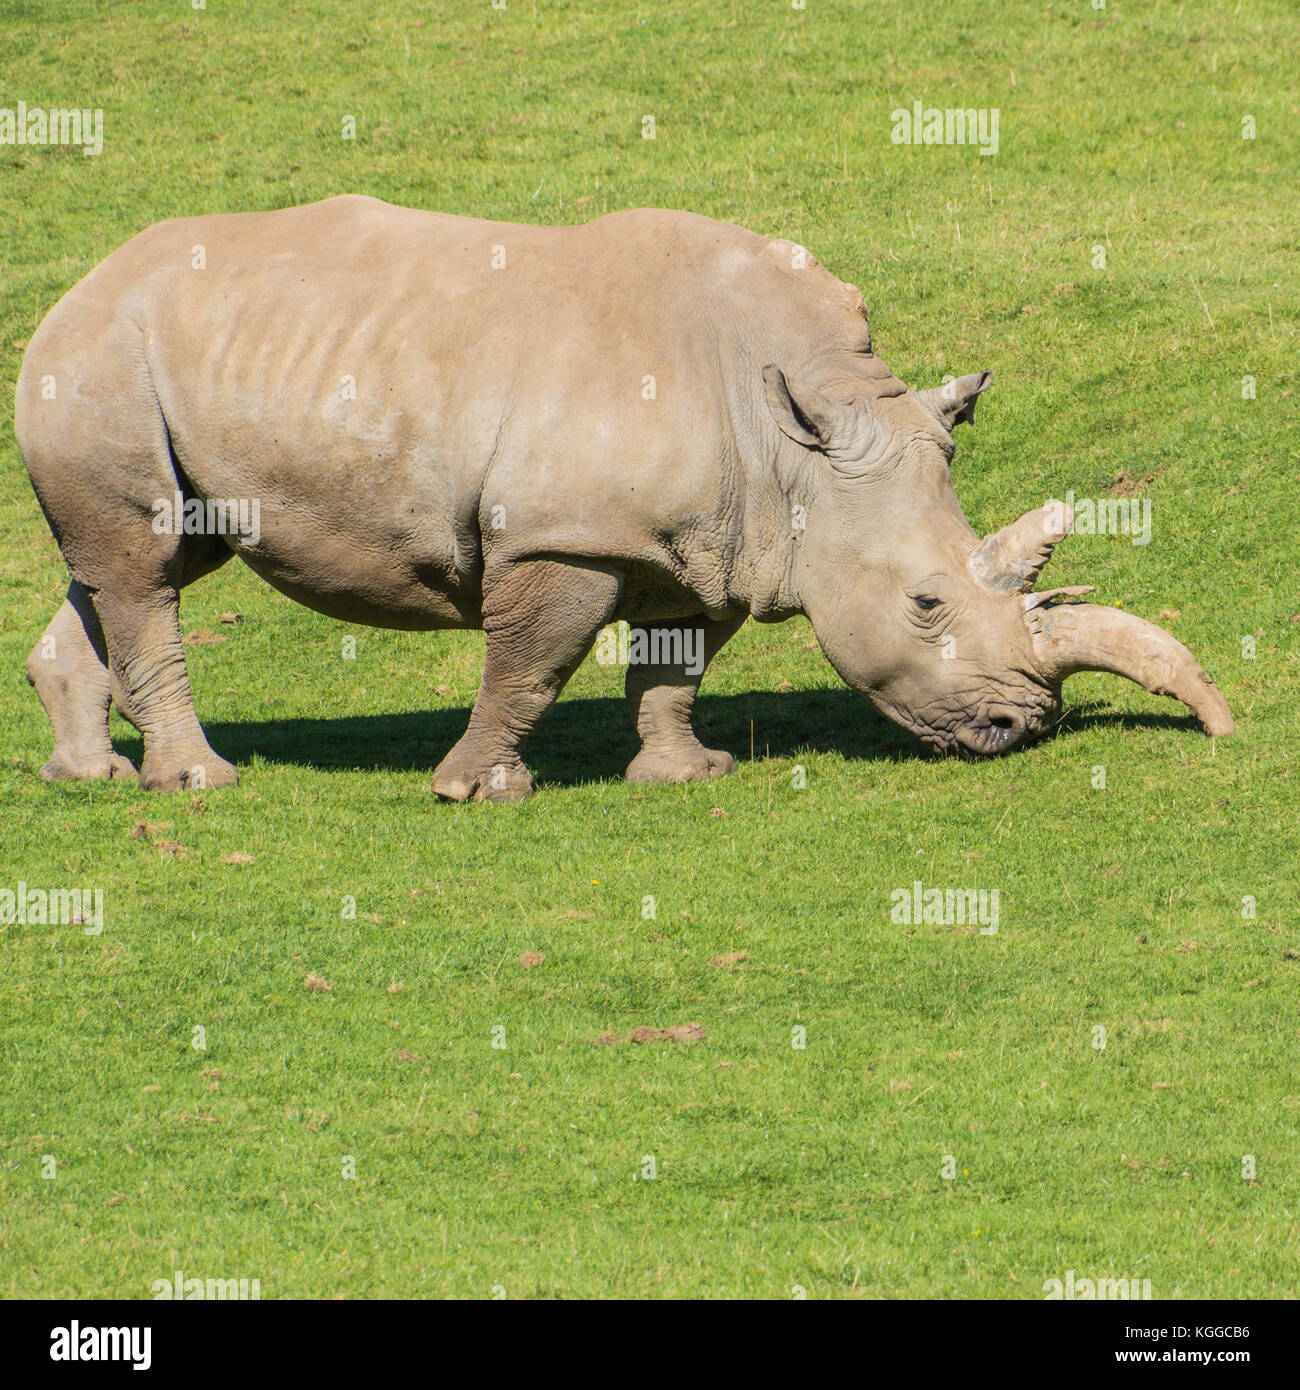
(953, 403)
(801, 411)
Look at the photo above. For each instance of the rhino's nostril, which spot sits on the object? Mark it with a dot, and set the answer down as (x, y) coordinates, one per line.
(993, 734)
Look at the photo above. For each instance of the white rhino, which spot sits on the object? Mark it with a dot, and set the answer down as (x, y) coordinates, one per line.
(440, 422)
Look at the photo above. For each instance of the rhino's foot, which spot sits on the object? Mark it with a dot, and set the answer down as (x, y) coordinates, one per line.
(172, 772)
(459, 778)
(680, 762)
(67, 767)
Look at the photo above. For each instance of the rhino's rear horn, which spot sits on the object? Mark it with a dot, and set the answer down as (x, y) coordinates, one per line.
(1012, 559)
(1088, 637)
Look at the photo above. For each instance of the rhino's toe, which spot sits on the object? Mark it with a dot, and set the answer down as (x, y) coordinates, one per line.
(163, 774)
(456, 781)
(693, 763)
(506, 784)
(67, 767)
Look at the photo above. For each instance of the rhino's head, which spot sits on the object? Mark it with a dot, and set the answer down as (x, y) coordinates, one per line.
(941, 628)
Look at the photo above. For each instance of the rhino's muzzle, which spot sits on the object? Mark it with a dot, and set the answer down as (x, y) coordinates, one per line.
(991, 728)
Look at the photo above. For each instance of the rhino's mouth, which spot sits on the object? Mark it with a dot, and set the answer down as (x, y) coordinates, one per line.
(991, 729)
(988, 738)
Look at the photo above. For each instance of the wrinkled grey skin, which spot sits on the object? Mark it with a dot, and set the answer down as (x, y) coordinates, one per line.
(503, 461)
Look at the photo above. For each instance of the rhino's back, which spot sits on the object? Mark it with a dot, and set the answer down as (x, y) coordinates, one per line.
(414, 386)
(356, 319)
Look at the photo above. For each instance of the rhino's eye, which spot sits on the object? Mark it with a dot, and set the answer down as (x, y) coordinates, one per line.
(925, 603)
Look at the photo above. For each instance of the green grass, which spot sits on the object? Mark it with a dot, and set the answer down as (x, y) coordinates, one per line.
(777, 1167)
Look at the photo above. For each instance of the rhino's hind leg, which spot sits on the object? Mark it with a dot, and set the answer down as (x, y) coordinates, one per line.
(152, 689)
(540, 617)
(99, 454)
(659, 699)
(70, 673)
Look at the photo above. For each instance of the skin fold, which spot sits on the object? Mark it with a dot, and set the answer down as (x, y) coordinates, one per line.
(536, 431)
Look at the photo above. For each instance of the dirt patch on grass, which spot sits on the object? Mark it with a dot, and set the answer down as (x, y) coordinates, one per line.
(1125, 485)
(168, 849)
(682, 1033)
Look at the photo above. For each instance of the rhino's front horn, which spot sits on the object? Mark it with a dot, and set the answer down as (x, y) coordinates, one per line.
(1012, 559)
(1087, 637)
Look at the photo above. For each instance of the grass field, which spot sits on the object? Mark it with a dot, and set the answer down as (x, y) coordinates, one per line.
(950, 1126)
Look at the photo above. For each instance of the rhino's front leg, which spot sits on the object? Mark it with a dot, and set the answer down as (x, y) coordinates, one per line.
(659, 699)
(540, 617)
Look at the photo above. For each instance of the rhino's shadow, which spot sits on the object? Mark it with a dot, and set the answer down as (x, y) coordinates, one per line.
(581, 740)
(584, 740)
(1092, 713)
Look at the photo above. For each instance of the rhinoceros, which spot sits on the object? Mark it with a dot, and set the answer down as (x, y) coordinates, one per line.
(442, 422)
